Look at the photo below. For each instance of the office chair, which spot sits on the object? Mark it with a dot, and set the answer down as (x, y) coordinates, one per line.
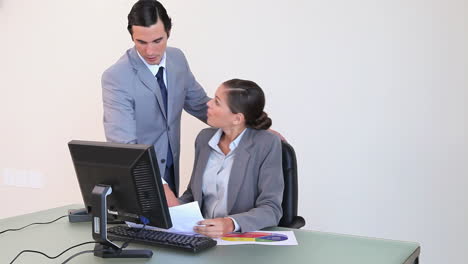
(290, 218)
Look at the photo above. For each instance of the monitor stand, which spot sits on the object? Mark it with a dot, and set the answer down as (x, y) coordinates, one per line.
(105, 248)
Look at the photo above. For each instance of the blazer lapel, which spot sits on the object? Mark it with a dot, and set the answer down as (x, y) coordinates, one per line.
(171, 72)
(147, 79)
(239, 168)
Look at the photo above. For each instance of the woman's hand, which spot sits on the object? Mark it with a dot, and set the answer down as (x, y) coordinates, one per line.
(215, 227)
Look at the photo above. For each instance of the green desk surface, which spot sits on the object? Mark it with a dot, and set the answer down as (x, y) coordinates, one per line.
(314, 247)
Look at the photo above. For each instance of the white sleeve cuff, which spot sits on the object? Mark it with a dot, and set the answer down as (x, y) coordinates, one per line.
(236, 225)
(163, 181)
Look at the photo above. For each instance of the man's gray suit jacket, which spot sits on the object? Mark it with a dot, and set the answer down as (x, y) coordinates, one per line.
(255, 187)
(134, 109)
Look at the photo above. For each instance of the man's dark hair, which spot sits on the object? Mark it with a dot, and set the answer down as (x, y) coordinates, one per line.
(247, 97)
(146, 13)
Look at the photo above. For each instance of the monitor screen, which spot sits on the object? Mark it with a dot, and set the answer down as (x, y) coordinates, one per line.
(132, 172)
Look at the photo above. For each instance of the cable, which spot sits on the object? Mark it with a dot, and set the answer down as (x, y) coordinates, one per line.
(145, 221)
(126, 243)
(17, 229)
(39, 252)
(79, 253)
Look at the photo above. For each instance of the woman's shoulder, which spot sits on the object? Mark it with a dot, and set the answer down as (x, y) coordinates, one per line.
(205, 134)
(264, 139)
(264, 144)
(260, 135)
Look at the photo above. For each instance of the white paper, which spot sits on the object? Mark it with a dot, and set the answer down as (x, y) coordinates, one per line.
(184, 217)
(271, 238)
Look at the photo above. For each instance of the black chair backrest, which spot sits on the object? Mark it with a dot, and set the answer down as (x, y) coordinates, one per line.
(290, 194)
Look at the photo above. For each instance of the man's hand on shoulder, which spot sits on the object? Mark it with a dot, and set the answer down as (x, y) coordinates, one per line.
(278, 134)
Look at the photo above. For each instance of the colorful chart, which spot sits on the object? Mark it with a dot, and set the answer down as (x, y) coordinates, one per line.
(255, 237)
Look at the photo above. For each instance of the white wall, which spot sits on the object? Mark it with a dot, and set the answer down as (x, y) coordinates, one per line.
(372, 95)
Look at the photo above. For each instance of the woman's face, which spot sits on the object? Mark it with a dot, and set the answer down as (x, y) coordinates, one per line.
(219, 114)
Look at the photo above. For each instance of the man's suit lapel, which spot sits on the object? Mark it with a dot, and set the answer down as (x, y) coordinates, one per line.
(171, 72)
(239, 167)
(145, 76)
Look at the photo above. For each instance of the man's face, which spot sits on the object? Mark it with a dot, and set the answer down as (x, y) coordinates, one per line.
(151, 42)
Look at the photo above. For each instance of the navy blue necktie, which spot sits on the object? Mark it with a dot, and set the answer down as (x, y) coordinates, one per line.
(162, 86)
(169, 159)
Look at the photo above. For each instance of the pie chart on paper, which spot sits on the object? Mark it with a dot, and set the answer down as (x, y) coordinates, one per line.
(255, 237)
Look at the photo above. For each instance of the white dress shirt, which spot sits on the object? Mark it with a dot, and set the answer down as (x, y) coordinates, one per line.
(216, 178)
(155, 68)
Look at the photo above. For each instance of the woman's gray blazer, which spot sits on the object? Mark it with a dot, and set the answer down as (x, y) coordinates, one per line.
(255, 188)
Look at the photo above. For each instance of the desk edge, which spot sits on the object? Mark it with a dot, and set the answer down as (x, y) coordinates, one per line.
(412, 258)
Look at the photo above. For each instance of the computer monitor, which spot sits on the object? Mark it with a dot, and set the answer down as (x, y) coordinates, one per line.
(120, 182)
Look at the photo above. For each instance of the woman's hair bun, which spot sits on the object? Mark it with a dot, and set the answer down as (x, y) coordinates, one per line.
(262, 122)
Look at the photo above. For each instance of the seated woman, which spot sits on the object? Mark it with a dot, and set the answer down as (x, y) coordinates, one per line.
(237, 175)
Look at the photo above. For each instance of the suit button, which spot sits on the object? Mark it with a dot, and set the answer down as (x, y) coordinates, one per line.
(168, 129)
(163, 160)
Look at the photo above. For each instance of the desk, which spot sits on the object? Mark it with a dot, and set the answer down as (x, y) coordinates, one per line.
(314, 247)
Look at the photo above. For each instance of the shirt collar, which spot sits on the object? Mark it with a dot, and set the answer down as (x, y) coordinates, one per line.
(154, 68)
(213, 143)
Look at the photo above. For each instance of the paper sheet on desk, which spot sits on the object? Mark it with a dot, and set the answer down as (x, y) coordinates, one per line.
(184, 217)
(271, 238)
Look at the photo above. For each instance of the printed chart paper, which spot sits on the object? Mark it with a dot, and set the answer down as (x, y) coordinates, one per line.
(273, 238)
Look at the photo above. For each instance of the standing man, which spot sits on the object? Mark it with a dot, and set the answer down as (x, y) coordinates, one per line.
(145, 91)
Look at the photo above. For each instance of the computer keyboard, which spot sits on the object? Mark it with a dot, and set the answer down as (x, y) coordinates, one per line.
(160, 238)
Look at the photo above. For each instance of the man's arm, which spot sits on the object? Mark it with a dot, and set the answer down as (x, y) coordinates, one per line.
(170, 196)
(195, 97)
(119, 112)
